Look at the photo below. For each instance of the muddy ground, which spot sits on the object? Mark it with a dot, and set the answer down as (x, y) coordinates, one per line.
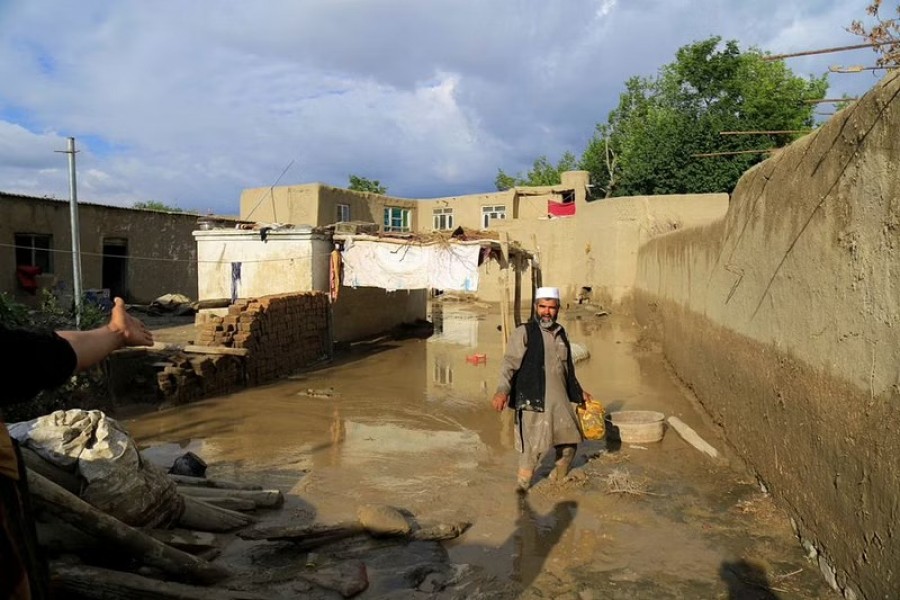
(407, 423)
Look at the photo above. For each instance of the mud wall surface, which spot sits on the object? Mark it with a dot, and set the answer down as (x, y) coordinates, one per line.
(783, 318)
(598, 246)
(159, 255)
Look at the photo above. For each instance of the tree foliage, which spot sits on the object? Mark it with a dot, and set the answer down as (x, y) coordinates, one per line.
(363, 184)
(647, 143)
(156, 205)
(542, 172)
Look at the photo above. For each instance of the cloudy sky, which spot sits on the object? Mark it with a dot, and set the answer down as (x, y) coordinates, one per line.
(188, 103)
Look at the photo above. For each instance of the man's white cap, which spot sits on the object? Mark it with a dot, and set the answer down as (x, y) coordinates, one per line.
(546, 293)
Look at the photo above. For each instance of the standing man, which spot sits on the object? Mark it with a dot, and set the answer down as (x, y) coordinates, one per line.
(537, 380)
(36, 361)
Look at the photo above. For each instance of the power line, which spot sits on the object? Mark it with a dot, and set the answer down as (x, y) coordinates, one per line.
(155, 259)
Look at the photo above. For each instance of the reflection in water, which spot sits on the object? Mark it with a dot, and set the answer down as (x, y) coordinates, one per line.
(535, 536)
(338, 432)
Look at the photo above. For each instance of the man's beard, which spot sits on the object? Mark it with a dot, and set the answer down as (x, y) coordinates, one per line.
(546, 322)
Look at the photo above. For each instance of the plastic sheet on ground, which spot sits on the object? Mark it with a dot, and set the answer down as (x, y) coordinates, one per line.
(117, 480)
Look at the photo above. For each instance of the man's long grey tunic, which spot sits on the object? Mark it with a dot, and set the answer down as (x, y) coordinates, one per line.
(536, 432)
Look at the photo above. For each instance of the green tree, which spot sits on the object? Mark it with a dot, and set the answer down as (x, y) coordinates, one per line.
(542, 172)
(883, 34)
(648, 142)
(156, 205)
(363, 184)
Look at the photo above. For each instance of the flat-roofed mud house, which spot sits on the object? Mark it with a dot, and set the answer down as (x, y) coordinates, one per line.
(137, 254)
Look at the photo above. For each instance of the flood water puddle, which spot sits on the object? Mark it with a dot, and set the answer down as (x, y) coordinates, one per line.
(408, 423)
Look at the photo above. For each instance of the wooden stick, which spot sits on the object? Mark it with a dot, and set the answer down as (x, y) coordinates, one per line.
(827, 100)
(85, 517)
(764, 132)
(206, 517)
(705, 154)
(216, 350)
(691, 437)
(85, 581)
(772, 57)
(213, 483)
(261, 498)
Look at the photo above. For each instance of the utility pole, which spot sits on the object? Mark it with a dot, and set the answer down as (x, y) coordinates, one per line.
(76, 232)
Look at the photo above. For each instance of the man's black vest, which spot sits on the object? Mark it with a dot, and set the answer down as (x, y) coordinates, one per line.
(529, 383)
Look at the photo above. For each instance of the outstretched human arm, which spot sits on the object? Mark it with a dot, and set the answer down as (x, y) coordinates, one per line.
(96, 344)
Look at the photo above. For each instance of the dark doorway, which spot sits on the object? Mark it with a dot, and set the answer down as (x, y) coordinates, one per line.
(115, 267)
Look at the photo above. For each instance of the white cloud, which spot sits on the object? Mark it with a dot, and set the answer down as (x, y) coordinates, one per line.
(191, 102)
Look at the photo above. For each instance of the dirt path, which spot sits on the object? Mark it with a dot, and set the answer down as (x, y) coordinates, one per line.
(407, 423)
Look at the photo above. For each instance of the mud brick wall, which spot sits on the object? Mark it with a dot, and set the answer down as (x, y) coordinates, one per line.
(282, 333)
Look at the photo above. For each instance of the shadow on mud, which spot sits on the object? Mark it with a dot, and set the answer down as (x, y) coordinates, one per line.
(535, 536)
(746, 581)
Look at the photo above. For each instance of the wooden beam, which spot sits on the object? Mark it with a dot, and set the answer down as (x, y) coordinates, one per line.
(772, 57)
(765, 132)
(705, 154)
(827, 100)
(83, 516)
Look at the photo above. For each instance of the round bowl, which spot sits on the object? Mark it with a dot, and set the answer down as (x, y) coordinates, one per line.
(635, 426)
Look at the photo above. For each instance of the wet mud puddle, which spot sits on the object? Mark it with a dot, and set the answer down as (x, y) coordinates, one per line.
(408, 424)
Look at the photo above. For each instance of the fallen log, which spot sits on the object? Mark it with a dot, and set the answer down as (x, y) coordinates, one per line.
(80, 514)
(206, 517)
(229, 503)
(212, 483)
(216, 350)
(307, 537)
(83, 581)
(261, 498)
(61, 477)
(691, 437)
(194, 542)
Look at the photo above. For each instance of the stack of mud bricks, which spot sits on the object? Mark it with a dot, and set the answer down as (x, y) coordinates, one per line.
(281, 333)
(191, 377)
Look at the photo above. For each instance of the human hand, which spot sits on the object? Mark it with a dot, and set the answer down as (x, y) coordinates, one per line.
(499, 401)
(586, 396)
(132, 331)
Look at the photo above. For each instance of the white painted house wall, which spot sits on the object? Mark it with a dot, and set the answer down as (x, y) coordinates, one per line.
(289, 261)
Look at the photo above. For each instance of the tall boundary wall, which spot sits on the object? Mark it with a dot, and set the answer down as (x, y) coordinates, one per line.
(784, 318)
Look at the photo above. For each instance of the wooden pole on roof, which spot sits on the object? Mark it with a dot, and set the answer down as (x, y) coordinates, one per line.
(705, 154)
(504, 296)
(828, 100)
(517, 292)
(825, 50)
(765, 132)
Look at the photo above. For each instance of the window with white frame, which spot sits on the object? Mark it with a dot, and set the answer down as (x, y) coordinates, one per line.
(343, 213)
(492, 212)
(443, 218)
(396, 218)
(34, 249)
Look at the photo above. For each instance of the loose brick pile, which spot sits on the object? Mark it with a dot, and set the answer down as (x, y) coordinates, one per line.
(281, 334)
(191, 377)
